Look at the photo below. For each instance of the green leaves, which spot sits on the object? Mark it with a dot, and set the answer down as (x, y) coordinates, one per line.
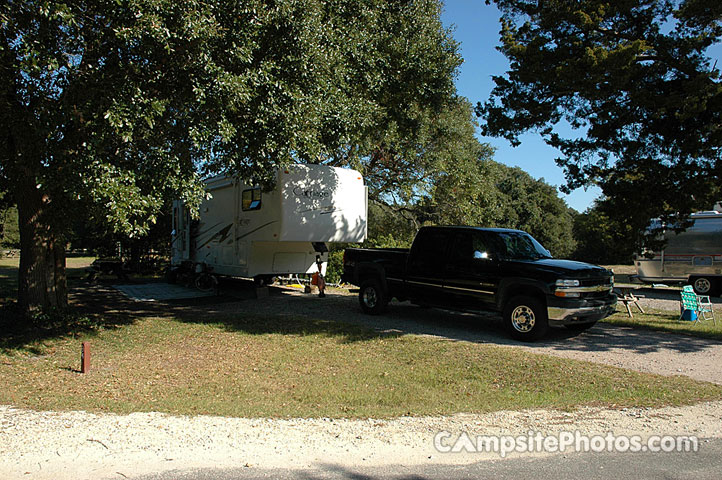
(633, 82)
(116, 106)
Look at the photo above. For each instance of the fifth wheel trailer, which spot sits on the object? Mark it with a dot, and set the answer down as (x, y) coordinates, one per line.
(245, 232)
(693, 256)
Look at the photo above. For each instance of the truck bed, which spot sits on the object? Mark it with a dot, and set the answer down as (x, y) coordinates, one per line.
(391, 261)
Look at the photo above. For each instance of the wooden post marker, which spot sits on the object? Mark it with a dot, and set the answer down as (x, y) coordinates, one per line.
(85, 358)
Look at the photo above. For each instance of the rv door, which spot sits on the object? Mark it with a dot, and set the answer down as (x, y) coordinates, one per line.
(180, 237)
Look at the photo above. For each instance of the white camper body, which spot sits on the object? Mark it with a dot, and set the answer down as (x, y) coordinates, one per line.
(693, 256)
(244, 232)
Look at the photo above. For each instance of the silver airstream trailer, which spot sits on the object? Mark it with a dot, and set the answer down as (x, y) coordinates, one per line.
(693, 256)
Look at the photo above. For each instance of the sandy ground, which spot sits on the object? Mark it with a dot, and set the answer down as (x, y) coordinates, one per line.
(72, 445)
(65, 445)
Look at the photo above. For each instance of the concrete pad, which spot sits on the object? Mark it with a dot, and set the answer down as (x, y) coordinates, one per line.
(151, 292)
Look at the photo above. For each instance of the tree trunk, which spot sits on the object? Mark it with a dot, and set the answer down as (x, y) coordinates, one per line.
(41, 279)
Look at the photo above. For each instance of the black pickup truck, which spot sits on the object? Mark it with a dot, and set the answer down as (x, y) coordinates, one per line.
(471, 269)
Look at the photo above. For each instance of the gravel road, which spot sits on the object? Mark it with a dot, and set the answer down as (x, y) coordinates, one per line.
(65, 445)
(73, 445)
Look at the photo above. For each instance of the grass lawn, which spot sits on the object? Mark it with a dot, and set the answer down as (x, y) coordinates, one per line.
(287, 366)
(667, 322)
(9, 274)
(297, 367)
(8, 278)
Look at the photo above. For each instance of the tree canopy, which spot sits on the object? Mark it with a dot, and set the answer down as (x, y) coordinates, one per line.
(490, 194)
(603, 237)
(110, 107)
(625, 90)
(461, 184)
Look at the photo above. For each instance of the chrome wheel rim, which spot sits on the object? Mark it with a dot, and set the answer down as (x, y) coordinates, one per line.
(702, 285)
(370, 298)
(523, 319)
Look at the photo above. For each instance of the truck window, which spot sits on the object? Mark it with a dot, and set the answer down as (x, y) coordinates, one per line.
(462, 250)
(521, 246)
(427, 251)
(251, 199)
(480, 247)
(468, 246)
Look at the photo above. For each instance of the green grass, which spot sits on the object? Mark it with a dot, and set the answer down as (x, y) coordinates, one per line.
(299, 367)
(9, 274)
(667, 322)
(287, 366)
(8, 278)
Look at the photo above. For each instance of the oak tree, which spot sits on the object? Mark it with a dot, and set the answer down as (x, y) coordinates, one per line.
(110, 107)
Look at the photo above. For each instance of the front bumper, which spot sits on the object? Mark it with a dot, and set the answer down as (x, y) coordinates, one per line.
(578, 312)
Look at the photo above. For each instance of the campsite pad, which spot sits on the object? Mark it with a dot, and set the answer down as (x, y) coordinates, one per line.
(150, 292)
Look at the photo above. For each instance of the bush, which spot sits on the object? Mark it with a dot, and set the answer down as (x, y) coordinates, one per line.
(334, 269)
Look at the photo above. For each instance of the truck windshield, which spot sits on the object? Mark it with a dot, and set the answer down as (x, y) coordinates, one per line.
(522, 246)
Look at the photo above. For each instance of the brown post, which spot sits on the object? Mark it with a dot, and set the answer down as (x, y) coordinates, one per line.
(85, 358)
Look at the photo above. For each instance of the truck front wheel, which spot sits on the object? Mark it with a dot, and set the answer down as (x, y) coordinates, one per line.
(525, 318)
(372, 297)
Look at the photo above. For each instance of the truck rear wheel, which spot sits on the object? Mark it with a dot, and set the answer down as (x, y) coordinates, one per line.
(372, 297)
(525, 318)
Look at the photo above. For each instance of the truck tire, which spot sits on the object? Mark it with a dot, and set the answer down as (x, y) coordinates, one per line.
(372, 297)
(525, 318)
(704, 285)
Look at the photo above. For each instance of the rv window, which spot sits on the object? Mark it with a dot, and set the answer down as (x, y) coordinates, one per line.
(251, 199)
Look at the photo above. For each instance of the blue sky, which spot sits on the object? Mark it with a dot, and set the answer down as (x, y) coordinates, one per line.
(476, 27)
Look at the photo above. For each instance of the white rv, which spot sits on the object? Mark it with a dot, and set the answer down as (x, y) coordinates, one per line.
(693, 256)
(245, 232)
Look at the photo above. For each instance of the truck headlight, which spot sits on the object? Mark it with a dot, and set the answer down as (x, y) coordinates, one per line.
(565, 288)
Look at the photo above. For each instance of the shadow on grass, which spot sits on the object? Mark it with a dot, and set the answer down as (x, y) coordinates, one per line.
(294, 325)
(246, 316)
(669, 322)
(489, 328)
(101, 307)
(92, 308)
(28, 333)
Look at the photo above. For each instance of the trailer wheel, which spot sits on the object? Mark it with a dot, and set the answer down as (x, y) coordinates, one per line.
(703, 285)
(264, 280)
(171, 276)
(372, 297)
(525, 318)
(205, 282)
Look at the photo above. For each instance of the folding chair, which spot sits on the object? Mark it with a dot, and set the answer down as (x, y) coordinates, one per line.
(699, 304)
